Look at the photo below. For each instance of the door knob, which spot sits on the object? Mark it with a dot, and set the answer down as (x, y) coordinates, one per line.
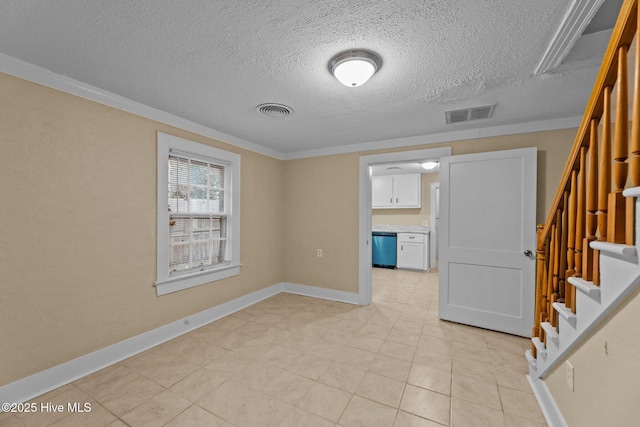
(528, 253)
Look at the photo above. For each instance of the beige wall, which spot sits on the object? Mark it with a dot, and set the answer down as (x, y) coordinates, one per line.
(408, 216)
(321, 196)
(78, 185)
(606, 374)
(78, 210)
(321, 212)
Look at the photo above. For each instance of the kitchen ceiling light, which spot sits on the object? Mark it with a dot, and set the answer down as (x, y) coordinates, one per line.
(354, 67)
(429, 165)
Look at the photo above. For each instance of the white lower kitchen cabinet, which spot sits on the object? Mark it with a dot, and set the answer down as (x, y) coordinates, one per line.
(413, 251)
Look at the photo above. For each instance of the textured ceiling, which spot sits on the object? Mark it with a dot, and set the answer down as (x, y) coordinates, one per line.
(213, 62)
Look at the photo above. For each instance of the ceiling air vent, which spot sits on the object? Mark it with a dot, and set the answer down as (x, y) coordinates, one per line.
(274, 110)
(466, 114)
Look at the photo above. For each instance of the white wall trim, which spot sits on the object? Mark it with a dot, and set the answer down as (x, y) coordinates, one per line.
(433, 237)
(323, 293)
(547, 404)
(573, 24)
(24, 70)
(42, 382)
(165, 282)
(364, 207)
(52, 378)
(460, 135)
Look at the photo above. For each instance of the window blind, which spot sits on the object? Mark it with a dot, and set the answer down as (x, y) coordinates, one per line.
(197, 213)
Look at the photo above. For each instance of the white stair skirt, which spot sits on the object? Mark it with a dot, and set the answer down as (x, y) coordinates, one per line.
(619, 278)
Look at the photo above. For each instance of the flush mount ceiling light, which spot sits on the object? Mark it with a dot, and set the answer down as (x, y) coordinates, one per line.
(429, 165)
(354, 67)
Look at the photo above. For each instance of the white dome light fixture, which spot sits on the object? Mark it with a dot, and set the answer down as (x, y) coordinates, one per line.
(429, 165)
(354, 67)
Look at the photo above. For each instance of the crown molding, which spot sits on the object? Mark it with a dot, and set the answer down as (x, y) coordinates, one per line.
(573, 24)
(461, 135)
(24, 70)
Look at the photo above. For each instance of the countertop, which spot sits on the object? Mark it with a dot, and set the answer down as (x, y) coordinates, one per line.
(402, 228)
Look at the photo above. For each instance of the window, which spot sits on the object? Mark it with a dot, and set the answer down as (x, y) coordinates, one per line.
(198, 214)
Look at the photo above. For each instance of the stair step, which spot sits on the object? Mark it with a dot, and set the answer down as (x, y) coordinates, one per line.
(627, 252)
(631, 192)
(620, 278)
(566, 313)
(551, 333)
(532, 360)
(587, 288)
(540, 347)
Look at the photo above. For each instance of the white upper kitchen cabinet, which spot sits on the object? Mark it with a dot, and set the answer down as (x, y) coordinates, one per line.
(382, 191)
(396, 191)
(407, 191)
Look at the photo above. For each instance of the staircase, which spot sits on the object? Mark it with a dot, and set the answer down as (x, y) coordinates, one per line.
(619, 278)
(587, 254)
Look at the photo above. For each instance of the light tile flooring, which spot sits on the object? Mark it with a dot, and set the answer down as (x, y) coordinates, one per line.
(298, 361)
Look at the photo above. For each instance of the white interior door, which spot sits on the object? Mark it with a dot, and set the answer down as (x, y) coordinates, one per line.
(487, 225)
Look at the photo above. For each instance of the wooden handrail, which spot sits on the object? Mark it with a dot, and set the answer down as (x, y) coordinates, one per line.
(623, 34)
(589, 204)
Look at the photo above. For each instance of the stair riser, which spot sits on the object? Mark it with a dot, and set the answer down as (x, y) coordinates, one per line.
(566, 331)
(619, 277)
(615, 276)
(588, 308)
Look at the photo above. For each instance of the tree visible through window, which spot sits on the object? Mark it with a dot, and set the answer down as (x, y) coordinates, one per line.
(197, 217)
(198, 214)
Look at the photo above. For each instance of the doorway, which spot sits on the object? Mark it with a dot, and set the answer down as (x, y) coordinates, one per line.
(365, 210)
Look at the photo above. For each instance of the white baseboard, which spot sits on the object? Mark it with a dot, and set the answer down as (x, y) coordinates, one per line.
(547, 404)
(42, 382)
(330, 294)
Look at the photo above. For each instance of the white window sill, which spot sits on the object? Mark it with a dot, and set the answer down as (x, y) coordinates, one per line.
(187, 281)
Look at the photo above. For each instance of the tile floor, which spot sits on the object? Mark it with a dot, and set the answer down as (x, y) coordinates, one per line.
(298, 361)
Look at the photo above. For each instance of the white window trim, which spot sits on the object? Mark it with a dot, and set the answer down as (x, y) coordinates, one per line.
(164, 283)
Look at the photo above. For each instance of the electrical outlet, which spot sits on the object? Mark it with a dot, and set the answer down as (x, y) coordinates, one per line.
(319, 253)
(425, 223)
(569, 372)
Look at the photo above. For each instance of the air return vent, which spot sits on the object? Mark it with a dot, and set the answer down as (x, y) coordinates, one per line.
(274, 110)
(466, 114)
